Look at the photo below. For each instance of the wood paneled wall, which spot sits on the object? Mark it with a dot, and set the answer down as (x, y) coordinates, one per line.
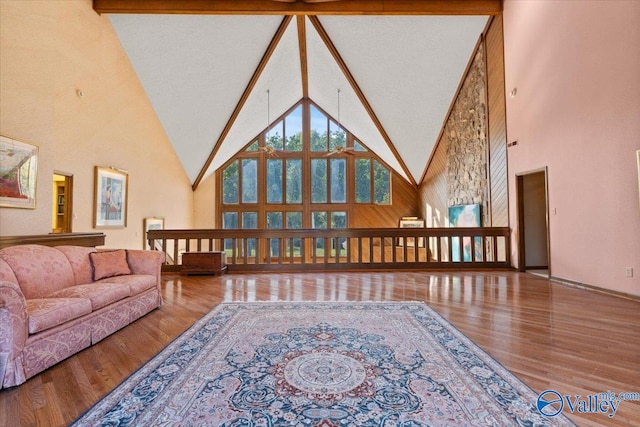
(433, 190)
(434, 203)
(498, 195)
(404, 202)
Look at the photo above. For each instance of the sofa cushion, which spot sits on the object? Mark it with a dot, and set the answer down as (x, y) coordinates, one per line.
(78, 257)
(100, 294)
(40, 270)
(109, 264)
(137, 283)
(45, 313)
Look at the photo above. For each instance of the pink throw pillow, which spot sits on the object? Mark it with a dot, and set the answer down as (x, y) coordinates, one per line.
(109, 264)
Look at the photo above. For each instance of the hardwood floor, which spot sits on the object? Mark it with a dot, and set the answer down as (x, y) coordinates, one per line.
(551, 336)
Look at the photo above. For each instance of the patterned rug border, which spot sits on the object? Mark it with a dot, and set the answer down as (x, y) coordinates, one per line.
(158, 359)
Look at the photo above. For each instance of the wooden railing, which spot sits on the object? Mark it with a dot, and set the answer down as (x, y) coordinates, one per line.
(54, 239)
(341, 249)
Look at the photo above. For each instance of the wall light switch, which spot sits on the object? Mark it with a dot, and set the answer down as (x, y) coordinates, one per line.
(628, 271)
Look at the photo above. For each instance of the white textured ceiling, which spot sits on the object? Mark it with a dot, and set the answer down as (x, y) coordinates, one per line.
(195, 68)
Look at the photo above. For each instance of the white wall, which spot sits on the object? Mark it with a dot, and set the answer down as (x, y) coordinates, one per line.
(50, 50)
(575, 65)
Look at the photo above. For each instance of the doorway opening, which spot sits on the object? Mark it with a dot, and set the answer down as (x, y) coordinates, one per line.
(62, 203)
(533, 223)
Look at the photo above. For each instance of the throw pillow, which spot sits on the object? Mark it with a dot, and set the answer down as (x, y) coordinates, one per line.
(109, 264)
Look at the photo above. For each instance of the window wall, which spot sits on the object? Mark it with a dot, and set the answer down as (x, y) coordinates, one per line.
(303, 171)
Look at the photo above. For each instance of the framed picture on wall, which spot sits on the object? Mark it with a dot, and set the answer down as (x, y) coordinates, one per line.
(411, 223)
(18, 173)
(152, 223)
(110, 201)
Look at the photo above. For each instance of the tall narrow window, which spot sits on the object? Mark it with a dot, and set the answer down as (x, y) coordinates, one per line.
(250, 221)
(318, 131)
(294, 180)
(249, 181)
(293, 130)
(381, 183)
(294, 246)
(230, 183)
(275, 136)
(337, 136)
(318, 180)
(338, 181)
(363, 180)
(338, 245)
(274, 220)
(229, 221)
(274, 181)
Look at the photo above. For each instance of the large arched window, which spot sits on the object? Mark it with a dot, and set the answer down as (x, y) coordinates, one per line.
(304, 171)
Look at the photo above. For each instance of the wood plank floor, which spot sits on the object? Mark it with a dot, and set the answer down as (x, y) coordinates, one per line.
(576, 341)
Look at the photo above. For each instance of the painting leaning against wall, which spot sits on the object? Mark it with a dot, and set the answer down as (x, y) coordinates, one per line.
(18, 173)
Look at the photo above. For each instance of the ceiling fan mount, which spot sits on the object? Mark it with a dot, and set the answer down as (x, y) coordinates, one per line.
(341, 150)
(269, 150)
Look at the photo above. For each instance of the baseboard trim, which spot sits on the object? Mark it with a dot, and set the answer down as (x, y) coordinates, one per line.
(581, 285)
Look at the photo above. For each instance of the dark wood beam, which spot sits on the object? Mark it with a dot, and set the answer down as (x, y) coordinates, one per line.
(302, 7)
(302, 42)
(363, 99)
(243, 99)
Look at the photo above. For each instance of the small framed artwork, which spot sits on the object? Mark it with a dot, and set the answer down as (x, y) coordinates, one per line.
(411, 222)
(110, 201)
(152, 223)
(18, 173)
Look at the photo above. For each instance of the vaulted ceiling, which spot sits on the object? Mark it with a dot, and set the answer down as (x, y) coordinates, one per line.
(215, 76)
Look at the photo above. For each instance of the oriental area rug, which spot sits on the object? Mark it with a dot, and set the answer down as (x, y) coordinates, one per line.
(321, 364)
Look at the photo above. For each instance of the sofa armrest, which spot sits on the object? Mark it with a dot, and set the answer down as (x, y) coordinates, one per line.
(13, 319)
(145, 262)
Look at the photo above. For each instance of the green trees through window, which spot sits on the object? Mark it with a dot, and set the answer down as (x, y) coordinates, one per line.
(300, 165)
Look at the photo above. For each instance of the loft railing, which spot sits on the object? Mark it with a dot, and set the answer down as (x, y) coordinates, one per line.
(341, 249)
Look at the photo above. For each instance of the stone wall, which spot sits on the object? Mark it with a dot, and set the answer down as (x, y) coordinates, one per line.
(465, 136)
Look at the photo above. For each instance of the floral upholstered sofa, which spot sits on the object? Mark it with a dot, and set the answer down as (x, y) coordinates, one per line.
(56, 301)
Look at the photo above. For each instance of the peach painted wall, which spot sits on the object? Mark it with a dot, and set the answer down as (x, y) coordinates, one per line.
(576, 68)
(204, 203)
(49, 50)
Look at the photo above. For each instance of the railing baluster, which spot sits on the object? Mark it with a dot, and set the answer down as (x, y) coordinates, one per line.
(420, 249)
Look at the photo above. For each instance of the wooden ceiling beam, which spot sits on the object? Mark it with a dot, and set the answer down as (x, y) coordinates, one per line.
(243, 99)
(363, 99)
(302, 43)
(301, 7)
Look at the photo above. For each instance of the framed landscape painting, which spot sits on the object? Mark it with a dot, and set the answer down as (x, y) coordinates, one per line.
(411, 223)
(152, 223)
(18, 173)
(110, 201)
